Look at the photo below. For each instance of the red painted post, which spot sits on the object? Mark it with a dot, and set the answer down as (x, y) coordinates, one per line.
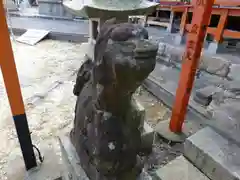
(11, 81)
(201, 16)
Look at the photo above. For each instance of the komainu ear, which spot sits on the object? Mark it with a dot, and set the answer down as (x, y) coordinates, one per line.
(110, 22)
(102, 39)
(107, 25)
(83, 76)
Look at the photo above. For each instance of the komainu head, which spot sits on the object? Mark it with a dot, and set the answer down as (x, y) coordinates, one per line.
(124, 56)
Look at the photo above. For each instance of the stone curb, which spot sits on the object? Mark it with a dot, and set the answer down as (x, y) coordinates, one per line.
(62, 36)
(17, 14)
(180, 169)
(167, 98)
(172, 55)
(214, 155)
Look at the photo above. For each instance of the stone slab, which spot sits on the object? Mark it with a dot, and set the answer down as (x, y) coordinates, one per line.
(32, 36)
(234, 72)
(53, 8)
(179, 39)
(234, 86)
(50, 169)
(215, 65)
(162, 128)
(59, 29)
(204, 95)
(180, 169)
(71, 161)
(10, 5)
(214, 48)
(73, 170)
(214, 155)
(140, 112)
(147, 140)
(203, 102)
(189, 128)
(167, 97)
(197, 113)
(226, 116)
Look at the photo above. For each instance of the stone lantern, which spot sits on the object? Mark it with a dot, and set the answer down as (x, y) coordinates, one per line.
(97, 11)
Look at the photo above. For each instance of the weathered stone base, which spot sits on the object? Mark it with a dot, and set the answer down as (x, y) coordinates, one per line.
(53, 8)
(214, 155)
(214, 48)
(180, 169)
(179, 39)
(71, 161)
(72, 168)
(163, 130)
(51, 168)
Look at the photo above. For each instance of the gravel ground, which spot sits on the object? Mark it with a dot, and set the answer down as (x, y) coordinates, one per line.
(163, 150)
(47, 74)
(155, 110)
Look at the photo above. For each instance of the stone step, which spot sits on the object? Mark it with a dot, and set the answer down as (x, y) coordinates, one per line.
(217, 157)
(180, 169)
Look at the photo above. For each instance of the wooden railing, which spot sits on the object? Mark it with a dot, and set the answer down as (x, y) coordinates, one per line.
(218, 32)
(227, 2)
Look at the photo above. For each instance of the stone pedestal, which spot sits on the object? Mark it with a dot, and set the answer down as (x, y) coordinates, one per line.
(53, 8)
(180, 39)
(93, 28)
(170, 28)
(72, 168)
(10, 6)
(215, 48)
(71, 161)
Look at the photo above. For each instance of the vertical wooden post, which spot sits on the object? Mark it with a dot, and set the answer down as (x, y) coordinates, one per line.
(201, 14)
(171, 22)
(12, 85)
(184, 21)
(221, 26)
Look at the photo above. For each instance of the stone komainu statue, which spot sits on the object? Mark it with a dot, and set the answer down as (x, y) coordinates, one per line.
(106, 131)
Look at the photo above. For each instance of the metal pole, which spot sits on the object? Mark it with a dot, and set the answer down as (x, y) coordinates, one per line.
(201, 17)
(12, 85)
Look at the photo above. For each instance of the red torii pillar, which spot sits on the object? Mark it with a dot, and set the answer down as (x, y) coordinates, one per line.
(10, 76)
(201, 17)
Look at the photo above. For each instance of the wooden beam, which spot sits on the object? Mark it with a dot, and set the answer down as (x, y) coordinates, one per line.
(184, 21)
(227, 2)
(231, 34)
(221, 26)
(233, 11)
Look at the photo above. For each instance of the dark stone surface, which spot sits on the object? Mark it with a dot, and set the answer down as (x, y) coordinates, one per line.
(106, 130)
(214, 155)
(234, 87)
(64, 30)
(204, 95)
(234, 72)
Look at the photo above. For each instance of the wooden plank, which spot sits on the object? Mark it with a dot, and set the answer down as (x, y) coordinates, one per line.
(226, 33)
(231, 34)
(227, 2)
(157, 23)
(233, 11)
(211, 31)
(32, 36)
(184, 21)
